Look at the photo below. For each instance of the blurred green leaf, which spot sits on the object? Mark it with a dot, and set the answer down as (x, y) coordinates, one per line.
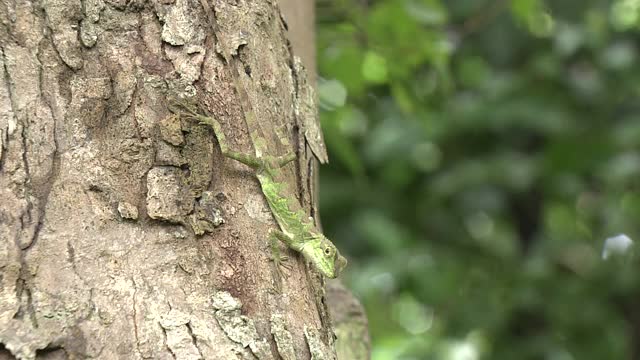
(532, 13)
(427, 12)
(569, 38)
(331, 94)
(619, 55)
(625, 13)
(374, 68)
(484, 154)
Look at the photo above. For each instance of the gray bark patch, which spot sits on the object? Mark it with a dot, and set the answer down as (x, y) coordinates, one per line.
(284, 340)
(316, 346)
(180, 338)
(238, 327)
(167, 197)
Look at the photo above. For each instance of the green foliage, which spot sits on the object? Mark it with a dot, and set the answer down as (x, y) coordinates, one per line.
(481, 153)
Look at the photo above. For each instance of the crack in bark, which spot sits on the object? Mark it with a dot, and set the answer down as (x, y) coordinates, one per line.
(19, 280)
(72, 260)
(311, 179)
(42, 200)
(31, 309)
(129, 103)
(71, 252)
(132, 106)
(54, 173)
(8, 78)
(166, 342)
(24, 277)
(298, 138)
(5, 74)
(25, 309)
(135, 316)
(3, 141)
(194, 339)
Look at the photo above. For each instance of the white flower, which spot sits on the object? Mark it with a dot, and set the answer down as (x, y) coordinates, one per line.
(617, 245)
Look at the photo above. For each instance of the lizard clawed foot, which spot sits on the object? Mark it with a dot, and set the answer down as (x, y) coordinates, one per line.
(281, 261)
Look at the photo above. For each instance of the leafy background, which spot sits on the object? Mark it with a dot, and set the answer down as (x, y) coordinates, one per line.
(481, 153)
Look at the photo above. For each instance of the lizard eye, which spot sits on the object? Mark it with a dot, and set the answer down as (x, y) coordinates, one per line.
(327, 251)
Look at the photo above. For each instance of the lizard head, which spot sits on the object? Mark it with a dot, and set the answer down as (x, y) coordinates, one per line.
(325, 257)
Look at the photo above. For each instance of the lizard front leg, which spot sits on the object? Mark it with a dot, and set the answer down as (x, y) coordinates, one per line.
(249, 160)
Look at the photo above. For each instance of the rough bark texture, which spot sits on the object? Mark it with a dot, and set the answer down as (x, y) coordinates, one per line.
(124, 234)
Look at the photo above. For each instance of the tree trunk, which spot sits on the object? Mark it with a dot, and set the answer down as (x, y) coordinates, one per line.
(124, 234)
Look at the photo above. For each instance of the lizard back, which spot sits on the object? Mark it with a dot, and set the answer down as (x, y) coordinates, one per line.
(290, 217)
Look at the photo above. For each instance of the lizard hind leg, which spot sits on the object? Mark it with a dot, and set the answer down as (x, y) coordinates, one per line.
(270, 164)
(285, 159)
(249, 160)
(279, 260)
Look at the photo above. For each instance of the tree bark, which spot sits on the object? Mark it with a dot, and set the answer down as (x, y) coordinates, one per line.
(124, 233)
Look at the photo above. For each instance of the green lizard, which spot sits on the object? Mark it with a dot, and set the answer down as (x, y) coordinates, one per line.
(297, 231)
